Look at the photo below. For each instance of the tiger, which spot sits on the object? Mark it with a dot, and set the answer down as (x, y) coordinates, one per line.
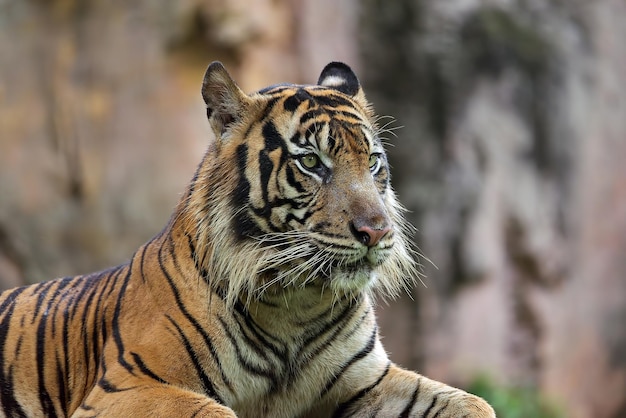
(257, 298)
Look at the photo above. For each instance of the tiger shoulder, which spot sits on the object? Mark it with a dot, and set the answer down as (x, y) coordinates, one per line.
(256, 299)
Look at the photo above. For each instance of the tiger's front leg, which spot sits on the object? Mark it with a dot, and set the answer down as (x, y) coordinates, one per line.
(159, 400)
(402, 393)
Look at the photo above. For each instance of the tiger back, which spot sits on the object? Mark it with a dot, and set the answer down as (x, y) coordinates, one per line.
(256, 299)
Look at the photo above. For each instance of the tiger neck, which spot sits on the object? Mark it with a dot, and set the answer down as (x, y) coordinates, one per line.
(294, 313)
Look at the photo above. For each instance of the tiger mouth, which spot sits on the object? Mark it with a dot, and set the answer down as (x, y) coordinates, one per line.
(354, 266)
(335, 267)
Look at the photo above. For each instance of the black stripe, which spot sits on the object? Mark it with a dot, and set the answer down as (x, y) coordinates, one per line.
(291, 217)
(65, 376)
(275, 89)
(431, 406)
(331, 338)
(251, 342)
(245, 364)
(142, 258)
(115, 324)
(18, 346)
(209, 389)
(196, 259)
(261, 334)
(272, 138)
(8, 402)
(307, 116)
(180, 305)
(102, 363)
(40, 354)
(358, 323)
(85, 407)
(291, 179)
(292, 102)
(269, 106)
(443, 408)
(42, 291)
(331, 145)
(53, 306)
(87, 284)
(145, 369)
(44, 396)
(345, 406)
(241, 193)
(339, 324)
(358, 356)
(407, 410)
(347, 120)
(86, 306)
(8, 302)
(100, 330)
(109, 387)
(266, 167)
(333, 100)
(62, 376)
(242, 224)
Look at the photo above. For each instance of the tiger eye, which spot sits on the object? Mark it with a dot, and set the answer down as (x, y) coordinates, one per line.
(373, 160)
(310, 160)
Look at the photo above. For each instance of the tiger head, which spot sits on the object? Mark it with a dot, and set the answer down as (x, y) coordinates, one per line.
(295, 192)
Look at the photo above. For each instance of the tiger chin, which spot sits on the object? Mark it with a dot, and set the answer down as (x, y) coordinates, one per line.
(256, 299)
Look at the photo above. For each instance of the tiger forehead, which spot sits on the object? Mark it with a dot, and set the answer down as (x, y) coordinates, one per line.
(299, 98)
(317, 116)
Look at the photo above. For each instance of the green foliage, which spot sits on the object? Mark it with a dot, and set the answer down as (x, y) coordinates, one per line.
(514, 402)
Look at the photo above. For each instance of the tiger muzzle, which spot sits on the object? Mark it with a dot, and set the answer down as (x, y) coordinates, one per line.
(370, 223)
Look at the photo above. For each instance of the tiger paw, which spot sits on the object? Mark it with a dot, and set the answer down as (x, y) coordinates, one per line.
(469, 406)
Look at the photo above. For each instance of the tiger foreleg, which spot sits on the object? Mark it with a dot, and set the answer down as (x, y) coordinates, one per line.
(151, 401)
(401, 393)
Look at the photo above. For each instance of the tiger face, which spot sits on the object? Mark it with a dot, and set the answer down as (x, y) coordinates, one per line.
(307, 181)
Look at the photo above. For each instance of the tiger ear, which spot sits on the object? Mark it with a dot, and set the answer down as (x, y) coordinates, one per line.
(339, 76)
(225, 101)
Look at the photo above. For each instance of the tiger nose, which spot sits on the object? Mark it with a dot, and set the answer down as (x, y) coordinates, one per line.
(370, 236)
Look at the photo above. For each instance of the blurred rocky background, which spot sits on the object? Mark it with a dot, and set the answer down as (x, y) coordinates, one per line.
(510, 154)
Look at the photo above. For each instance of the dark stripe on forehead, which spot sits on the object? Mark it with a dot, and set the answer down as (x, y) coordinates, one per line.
(295, 100)
(311, 114)
(269, 106)
(333, 100)
(273, 139)
(348, 131)
(348, 117)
